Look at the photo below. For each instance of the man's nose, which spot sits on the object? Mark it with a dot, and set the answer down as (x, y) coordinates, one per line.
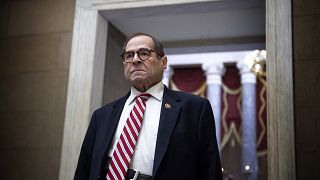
(136, 58)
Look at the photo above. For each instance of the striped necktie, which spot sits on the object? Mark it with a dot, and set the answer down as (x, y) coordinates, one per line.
(123, 152)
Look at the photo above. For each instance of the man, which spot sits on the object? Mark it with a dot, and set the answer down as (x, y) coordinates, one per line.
(175, 140)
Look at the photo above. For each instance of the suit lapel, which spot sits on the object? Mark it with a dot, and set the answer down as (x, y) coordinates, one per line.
(169, 114)
(113, 121)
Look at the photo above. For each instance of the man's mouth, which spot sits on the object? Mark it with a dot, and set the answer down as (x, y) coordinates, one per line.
(137, 70)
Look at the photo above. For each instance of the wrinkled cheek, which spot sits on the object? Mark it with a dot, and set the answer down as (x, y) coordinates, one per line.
(126, 73)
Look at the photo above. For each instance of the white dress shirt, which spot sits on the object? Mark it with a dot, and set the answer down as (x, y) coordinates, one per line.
(143, 156)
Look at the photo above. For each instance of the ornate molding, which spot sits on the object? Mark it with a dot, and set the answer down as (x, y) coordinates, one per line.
(120, 4)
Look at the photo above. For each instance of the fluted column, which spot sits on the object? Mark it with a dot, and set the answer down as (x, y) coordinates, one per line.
(214, 71)
(167, 75)
(249, 154)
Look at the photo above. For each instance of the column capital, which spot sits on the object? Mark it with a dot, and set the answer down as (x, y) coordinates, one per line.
(214, 71)
(216, 68)
(244, 66)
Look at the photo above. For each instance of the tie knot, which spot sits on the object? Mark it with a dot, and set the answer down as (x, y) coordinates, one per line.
(144, 96)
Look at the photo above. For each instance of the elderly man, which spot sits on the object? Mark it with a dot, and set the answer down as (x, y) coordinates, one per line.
(152, 132)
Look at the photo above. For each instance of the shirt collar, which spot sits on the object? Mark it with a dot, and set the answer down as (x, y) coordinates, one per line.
(156, 92)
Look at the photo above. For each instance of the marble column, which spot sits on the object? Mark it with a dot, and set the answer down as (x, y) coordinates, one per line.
(249, 155)
(214, 71)
(167, 75)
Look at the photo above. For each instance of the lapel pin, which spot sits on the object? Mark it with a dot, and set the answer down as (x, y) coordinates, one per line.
(167, 105)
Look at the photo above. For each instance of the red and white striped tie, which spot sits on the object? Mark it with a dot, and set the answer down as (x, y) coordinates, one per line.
(123, 152)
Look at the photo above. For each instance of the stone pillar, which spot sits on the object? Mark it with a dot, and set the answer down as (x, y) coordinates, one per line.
(167, 75)
(214, 71)
(249, 155)
(85, 84)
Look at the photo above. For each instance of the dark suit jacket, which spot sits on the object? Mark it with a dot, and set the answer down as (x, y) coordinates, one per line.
(186, 146)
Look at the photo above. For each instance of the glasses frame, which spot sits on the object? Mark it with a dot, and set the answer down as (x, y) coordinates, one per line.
(137, 52)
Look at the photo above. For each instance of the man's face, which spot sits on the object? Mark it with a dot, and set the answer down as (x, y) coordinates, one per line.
(144, 74)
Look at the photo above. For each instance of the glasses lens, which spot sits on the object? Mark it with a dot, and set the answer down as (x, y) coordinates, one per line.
(144, 54)
(128, 56)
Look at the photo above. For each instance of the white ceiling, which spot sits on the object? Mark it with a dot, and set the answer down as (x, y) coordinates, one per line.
(197, 21)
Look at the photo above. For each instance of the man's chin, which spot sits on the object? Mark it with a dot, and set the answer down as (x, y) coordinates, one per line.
(138, 80)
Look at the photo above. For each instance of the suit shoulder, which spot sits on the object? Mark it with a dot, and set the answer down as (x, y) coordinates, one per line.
(187, 96)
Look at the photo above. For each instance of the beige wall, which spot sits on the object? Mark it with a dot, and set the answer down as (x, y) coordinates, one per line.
(35, 45)
(306, 48)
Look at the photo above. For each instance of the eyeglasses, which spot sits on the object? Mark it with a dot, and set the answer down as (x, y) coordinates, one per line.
(143, 54)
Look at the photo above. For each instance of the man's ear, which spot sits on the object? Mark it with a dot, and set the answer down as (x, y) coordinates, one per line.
(164, 62)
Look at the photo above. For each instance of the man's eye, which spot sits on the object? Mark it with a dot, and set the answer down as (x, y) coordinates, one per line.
(128, 55)
(144, 52)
